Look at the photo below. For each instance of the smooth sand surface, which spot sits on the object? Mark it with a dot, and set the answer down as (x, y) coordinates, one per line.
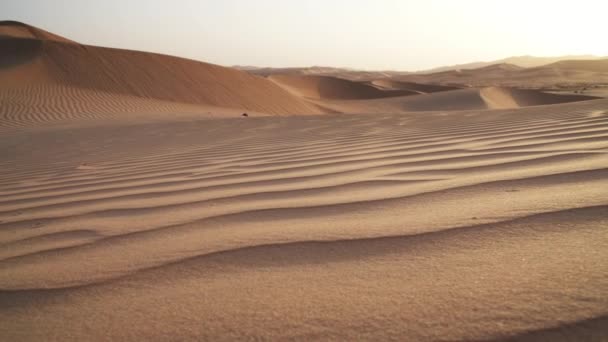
(470, 225)
(132, 208)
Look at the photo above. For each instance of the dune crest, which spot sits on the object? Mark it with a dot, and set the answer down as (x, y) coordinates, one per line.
(331, 88)
(35, 64)
(15, 29)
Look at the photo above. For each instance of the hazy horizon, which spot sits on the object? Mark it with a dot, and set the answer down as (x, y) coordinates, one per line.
(365, 35)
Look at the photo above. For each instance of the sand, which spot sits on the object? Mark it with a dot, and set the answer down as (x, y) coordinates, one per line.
(80, 80)
(331, 88)
(446, 214)
(575, 72)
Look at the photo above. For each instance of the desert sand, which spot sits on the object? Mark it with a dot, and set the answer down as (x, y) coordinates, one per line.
(138, 204)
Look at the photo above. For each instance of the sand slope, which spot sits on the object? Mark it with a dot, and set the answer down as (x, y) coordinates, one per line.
(469, 225)
(461, 99)
(35, 65)
(326, 87)
(47, 78)
(576, 72)
(584, 65)
(342, 73)
(14, 29)
(420, 88)
(390, 96)
(521, 61)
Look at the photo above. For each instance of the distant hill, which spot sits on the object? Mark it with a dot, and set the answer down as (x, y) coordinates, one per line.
(559, 74)
(522, 61)
(506, 64)
(344, 73)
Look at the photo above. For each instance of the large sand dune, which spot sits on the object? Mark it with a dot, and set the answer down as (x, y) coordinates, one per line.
(451, 213)
(54, 72)
(47, 78)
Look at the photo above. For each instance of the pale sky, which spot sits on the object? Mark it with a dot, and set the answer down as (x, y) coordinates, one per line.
(363, 34)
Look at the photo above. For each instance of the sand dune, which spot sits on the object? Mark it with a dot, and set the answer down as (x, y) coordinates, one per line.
(461, 99)
(520, 61)
(14, 29)
(325, 87)
(563, 73)
(469, 225)
(391, 84)
(46, 78)
(440, 213)
(342, 73)
(586, 65)
(70, 77)
(500, 97)
(390, 96)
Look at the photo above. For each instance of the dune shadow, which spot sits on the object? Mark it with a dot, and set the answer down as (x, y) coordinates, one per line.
(17, 51)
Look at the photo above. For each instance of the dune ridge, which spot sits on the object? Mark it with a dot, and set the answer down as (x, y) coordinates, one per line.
(600, 65)
(569, 73)
(40, 67)
(326, 87)
(415, 87)
(14, 29)
(454, 100)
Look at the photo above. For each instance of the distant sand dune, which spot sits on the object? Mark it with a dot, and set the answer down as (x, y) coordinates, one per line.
(500, 97)
(415, 87)
(565, 73)
(461, 99)
(325, 87)
(585, 65)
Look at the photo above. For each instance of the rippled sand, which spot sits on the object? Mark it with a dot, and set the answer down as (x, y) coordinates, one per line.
(424, 226)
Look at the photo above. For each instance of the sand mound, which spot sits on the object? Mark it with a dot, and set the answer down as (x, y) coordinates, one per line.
(461, 99)
(325, 87)
(15, 29)
(600, 65)
(33, 68)
(390, 84)
(474, 225)
(501, 97)
(560, 73)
